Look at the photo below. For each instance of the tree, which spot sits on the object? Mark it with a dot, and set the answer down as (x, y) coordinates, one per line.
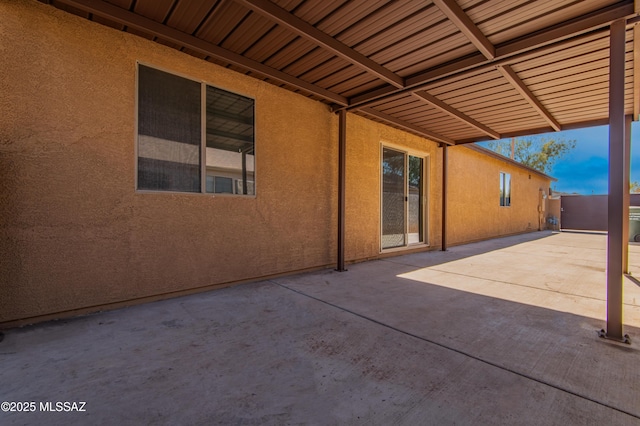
(540, 153)
(634, 188)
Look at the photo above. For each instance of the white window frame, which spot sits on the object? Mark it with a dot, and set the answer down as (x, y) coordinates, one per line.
(425, 196)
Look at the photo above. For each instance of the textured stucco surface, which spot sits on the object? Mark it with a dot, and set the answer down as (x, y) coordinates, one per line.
(363, 158)
(75, 234)
(474, 211)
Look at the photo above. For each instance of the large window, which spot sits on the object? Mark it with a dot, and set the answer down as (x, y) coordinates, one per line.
(505, 189)
(193, 137)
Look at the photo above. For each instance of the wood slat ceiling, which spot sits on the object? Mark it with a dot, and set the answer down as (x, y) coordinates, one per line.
(454, 71)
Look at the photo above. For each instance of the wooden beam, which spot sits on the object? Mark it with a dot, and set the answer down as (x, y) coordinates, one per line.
(522, 88)
(408, 126)
(130, 19)
(466, 26)
(272, 11)
(424, 96)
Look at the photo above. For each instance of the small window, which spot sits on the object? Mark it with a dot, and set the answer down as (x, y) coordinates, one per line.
(505, 189)
(187, 145)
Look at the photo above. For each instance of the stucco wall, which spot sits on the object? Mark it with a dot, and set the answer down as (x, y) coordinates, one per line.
(473, 203)
(76, 236)
(74, 233)
(363, 161)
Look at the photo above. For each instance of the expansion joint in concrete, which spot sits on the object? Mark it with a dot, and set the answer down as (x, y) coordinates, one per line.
(461, 352)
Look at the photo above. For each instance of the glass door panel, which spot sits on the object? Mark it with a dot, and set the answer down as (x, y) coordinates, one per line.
(415, 207)
(393, 196)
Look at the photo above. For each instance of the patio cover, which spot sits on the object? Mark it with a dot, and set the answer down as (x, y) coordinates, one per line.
(452, 71)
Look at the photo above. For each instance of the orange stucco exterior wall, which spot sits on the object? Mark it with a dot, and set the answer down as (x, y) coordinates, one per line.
(76, 236)
(365, 139)
(74, 231)
(474, 211)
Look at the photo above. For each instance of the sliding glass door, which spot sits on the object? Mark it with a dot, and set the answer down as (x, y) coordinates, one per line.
(393, 206)
(415, 205)
(402, 207)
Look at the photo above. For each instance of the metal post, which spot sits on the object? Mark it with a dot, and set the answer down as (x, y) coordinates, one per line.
(342, 138)
(444, 197)
(617, 155)
(626, 196)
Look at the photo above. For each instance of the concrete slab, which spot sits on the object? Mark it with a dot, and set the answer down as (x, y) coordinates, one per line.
(498, 332)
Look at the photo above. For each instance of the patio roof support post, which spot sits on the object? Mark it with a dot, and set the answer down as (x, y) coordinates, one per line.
(616, 208)
(626, 194)
(342, 139)
(444, 197)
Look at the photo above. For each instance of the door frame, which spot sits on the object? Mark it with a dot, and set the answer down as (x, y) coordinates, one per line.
(425, 195)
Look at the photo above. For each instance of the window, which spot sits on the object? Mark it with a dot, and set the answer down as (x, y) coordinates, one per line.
(505, 189)
(193, 137)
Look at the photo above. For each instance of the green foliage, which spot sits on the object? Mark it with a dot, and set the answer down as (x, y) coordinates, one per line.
(540, 153)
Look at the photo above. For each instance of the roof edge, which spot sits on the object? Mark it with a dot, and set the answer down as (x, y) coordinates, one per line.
(490, 153)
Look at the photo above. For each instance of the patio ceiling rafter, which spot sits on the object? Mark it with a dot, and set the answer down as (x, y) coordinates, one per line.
(442, 106)
(537, 130)
(511, 76)
(460, 19)
(133, 20)
(408, 126)
(506, 53)
(275, 13)
(375, 58)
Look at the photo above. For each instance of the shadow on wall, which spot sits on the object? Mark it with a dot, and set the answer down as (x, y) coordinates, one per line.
(325, 351)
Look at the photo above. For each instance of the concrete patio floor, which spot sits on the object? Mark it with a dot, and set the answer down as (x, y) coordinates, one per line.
(498, 332)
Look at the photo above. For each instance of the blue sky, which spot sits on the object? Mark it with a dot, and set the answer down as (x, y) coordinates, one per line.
(585, 169)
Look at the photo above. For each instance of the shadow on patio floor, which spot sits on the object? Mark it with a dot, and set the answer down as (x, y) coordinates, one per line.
(386, 343)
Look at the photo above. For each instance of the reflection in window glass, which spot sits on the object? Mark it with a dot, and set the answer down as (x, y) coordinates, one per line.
(223, 185)
(505, 189)
(171, 117)
(230, 141)
(393, 214)
(168, 132)
(402, 199)
(415, 200)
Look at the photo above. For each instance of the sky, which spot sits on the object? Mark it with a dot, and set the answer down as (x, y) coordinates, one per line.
(585, 169)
